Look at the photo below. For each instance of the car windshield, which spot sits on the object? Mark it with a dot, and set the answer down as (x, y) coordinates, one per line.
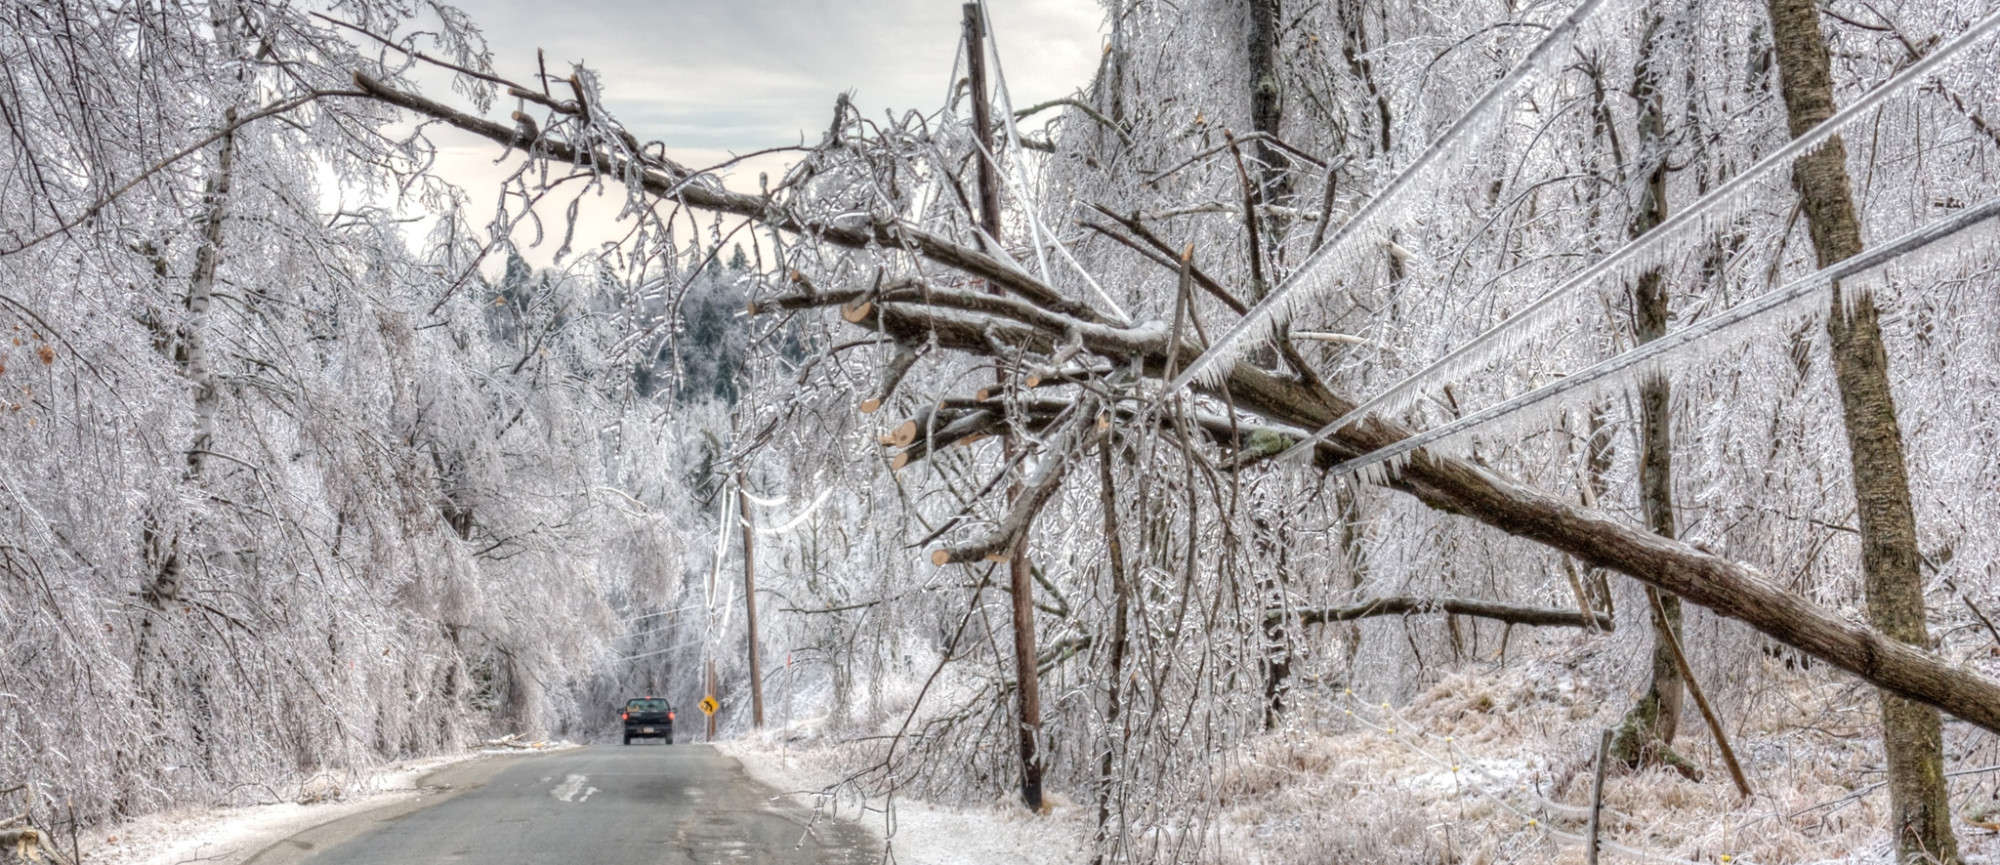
(647, 706)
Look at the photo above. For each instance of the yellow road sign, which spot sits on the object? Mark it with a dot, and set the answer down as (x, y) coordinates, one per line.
(709, 705)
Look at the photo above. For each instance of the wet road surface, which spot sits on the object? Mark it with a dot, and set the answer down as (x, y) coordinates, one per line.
(643, 804)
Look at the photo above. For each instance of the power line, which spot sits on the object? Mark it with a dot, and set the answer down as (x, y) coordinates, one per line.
(1696, 335)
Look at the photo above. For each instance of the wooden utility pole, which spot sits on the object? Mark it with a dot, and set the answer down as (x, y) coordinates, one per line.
(1114, 549)
(1018, 569)
(750, 602)
(982, 120)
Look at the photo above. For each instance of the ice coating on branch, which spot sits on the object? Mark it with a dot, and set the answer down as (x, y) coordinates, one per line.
(1652, 250)
(1761, 317)
(1362, 236)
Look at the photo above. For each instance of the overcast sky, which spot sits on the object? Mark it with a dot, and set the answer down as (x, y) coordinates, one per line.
(711, 77)
(744, 74)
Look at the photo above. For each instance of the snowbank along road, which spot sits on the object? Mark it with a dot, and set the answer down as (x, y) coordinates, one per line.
(606, 804)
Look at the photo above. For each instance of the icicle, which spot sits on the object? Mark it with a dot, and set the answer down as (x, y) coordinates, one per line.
(1361, 234)
(1651, 358)
(1698, 217)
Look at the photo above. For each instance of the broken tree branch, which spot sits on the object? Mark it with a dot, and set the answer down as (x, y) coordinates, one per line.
(1499, 611)
(661, 180)
(969, 427)
(906, 356)
(1139, 230)
(1081, 106)
(1084, 432)
(1452, 485)
(1700, 699)
(1601, 540)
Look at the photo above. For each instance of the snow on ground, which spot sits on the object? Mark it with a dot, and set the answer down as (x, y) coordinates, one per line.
(227, 836)
(921, 833)
(1489, 765)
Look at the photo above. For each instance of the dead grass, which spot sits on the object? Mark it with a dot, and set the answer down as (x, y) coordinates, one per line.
(1495, 766)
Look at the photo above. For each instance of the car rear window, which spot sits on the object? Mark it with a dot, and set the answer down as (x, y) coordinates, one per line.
(647, 705)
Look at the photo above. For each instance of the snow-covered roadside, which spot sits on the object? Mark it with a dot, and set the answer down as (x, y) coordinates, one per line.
(1003, 833)
(228, 836)
(1490, 764)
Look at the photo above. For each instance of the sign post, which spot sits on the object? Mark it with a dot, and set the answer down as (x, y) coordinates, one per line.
(708, 704)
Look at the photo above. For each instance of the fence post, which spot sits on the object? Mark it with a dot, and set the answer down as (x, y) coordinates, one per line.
(1597, 797)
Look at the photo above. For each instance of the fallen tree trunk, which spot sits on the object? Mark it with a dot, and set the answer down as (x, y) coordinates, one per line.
(662, 179)
(1034, 493)
(1042, 320)
(1513, 614)
(1731, 589)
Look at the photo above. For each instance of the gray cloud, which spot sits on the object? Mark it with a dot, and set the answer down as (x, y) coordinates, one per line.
(714, 76)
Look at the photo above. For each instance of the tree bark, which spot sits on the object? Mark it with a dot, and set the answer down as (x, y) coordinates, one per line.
(1596, 483)
(1277, 652)
(1354, 48)
(1117, 59)
(1267, 110)
(982, 121)
(164, 547)
(1267, 113)
(1355, 556)
(1920, 815)
(201, 292)
(1649, 728)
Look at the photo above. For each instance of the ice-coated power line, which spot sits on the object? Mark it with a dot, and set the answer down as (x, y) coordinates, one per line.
(1018, 178)
(663, 613)
(761, 502)
(798, 518)
(1696, 335)
(1454, 141)
(1728, 194)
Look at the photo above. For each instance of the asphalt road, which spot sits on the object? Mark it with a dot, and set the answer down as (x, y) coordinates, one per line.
(644, 804)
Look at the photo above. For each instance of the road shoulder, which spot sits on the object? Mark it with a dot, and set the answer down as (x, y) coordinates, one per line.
(432, 789)
(1001, 832)
(255, 833)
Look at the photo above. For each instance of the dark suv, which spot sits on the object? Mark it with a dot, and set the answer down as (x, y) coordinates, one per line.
(648, 717)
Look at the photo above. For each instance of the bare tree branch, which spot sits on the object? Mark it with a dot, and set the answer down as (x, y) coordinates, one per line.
(1499, 611)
